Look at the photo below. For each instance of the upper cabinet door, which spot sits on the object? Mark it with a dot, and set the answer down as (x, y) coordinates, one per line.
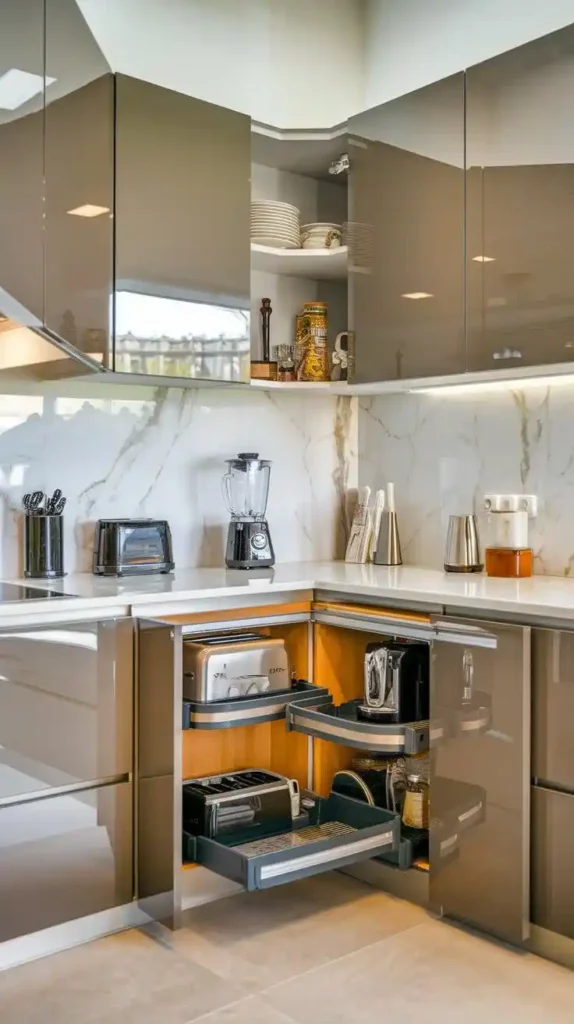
(520, 206)
(22, 159)
(182, 235)
(79, 185)
(406, 235)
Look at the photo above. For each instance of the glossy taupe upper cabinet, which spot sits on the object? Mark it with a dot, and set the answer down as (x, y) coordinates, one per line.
(22, 158)
(182, 235)
(520, 206)
(406, 232)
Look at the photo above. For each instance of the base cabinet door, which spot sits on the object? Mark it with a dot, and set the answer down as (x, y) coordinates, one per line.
(64, 857)
(480, 781)
(552, 887)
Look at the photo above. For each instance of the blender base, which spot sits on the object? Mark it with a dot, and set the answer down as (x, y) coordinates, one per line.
(249, 545)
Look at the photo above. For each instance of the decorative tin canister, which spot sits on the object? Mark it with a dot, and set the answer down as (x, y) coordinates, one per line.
(311, 353)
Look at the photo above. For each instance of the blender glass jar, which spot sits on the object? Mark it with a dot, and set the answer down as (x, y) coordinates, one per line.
(246, 486)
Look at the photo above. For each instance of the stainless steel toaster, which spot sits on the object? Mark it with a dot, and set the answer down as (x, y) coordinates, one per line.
(233, 665)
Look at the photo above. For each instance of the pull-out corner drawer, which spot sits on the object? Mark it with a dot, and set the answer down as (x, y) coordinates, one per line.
(225, 714)
(341, 724)
(353, 832)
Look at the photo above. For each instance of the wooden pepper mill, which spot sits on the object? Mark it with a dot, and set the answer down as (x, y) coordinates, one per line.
(265, 369)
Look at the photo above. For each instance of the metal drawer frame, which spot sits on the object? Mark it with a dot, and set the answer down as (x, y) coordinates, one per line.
(378, 831)
(230, 714)
(412, 738)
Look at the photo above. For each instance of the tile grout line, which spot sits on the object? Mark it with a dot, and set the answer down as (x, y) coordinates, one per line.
(337, 959)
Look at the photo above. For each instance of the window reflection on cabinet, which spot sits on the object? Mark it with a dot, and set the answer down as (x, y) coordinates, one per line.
(520, 206)
(406, 211)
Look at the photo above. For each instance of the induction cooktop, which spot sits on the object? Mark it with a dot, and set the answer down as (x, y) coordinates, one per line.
(10, 592)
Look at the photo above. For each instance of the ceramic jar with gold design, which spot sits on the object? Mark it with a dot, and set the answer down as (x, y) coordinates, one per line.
(311, 352)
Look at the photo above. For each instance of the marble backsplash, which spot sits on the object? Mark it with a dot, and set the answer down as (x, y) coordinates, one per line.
(161, 454)
(444, 452)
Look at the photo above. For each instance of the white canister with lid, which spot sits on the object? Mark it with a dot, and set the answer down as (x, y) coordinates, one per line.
(507, 520)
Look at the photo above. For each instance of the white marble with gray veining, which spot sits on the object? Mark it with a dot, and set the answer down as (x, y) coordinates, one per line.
(163, 456)
(444, 452)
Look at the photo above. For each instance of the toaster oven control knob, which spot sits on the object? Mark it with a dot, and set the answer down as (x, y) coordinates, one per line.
(259, 541)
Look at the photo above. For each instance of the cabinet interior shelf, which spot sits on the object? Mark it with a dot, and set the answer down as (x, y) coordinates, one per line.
(317, 264)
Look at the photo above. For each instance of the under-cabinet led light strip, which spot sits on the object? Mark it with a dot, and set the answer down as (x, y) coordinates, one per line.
(508, 384)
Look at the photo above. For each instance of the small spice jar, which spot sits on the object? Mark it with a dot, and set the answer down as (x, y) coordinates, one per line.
(285, 363)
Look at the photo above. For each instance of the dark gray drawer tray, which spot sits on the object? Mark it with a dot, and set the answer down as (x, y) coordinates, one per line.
(376, 831)
(227, 714)
(341, 724)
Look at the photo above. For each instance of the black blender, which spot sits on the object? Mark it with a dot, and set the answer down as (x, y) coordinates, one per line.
(245, 490)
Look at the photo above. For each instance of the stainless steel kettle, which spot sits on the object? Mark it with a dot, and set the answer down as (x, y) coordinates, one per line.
(462, 553)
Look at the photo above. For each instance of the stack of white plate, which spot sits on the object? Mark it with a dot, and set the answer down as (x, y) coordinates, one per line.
(275, 224)
(321, 235)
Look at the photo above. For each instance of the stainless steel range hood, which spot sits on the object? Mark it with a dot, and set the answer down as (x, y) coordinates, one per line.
(124, 213)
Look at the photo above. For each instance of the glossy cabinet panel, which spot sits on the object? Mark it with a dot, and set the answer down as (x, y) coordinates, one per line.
(21, 162)
(64, 857)
(480, 782)
(66, 705)
(406, 235)
(182, 235)
(552, 858)
(553, 707)
(520, 213)
(79, 168)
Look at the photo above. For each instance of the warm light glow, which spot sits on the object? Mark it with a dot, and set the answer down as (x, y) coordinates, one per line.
(417, 295)
(88, 210)
(17, 87)
(508, 384)
(484, 259)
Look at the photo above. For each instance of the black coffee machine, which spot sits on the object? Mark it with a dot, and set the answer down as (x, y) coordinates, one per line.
(245, 489)
(396, 682)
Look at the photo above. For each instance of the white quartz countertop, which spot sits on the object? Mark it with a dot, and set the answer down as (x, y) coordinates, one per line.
(542, 596)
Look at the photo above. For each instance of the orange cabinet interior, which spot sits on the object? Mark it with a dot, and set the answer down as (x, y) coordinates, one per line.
(269, 745)
(338, 657)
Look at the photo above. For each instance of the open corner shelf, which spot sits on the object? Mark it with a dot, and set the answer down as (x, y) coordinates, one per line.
(317, 264)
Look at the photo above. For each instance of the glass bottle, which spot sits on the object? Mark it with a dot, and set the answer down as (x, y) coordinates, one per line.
(416, 805)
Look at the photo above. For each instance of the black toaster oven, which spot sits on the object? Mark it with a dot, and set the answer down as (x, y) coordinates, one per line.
(132, 547)
(251, 804)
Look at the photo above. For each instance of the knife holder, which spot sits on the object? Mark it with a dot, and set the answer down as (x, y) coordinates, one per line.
(44, 547)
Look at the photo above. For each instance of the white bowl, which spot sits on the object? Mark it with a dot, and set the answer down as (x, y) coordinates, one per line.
(320, 235)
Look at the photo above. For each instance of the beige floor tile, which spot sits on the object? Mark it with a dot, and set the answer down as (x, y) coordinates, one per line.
(248, 1011)
(129, 977)
(433, 972)
(266, 937)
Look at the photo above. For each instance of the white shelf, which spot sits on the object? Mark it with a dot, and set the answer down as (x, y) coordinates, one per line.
(316, 264)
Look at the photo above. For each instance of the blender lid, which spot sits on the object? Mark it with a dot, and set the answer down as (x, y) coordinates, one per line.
(244, 459)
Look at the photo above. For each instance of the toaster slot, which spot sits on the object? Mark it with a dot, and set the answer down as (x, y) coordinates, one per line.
(250, 710)
(337, 832)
